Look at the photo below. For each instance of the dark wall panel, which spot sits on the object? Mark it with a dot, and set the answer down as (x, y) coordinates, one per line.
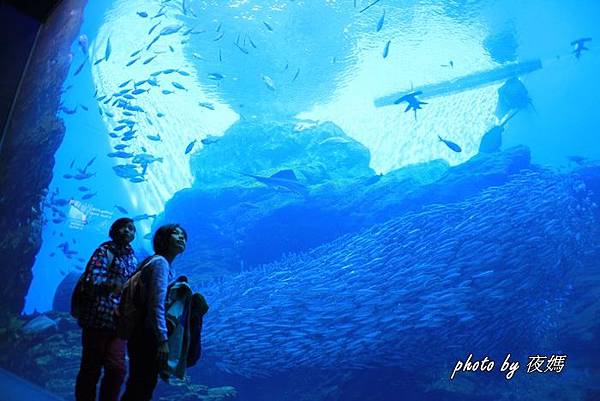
(17, 36)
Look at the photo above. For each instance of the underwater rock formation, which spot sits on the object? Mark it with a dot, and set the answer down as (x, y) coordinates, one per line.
(235, 222)
(40, 325)
(493, 272)
(33, 136)
(34, 355)
(316, 153)
(62, 295)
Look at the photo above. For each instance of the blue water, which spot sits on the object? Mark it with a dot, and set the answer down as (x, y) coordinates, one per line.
(272, 69)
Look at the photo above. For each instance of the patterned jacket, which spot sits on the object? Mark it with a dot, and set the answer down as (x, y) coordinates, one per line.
(99, 311)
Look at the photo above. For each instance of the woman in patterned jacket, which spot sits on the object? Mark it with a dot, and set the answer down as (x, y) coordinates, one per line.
(110, 266)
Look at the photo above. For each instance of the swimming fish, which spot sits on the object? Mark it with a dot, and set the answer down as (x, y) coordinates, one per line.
(296, 74)
(121, 209)
(80, 68)
(108, 50)
(269, 82)
(145, 159)
(268, 26)
(450, 144)
(209, 140)
(169, 30)
(121, 154)
(159, 14)
(144, 216)
(83, 175)
(83, 44)
(241, 48)
(380, 22)
(189, 148)
(284, 179)
(183, 7)
(178, 85)
(126, 170)
(153, 42)
(67, 110)
(386, 49)
(206, 105)
(132, 62)
(215, 76)
(89, 163)
(149, 60)
(251, 42)
(142, 14)
(153, 28)
(491, 141)
(579, 46)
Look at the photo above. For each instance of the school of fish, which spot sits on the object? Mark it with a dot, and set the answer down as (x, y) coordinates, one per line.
(489, 273)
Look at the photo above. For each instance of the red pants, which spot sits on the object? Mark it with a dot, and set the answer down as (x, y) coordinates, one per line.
(101, 349)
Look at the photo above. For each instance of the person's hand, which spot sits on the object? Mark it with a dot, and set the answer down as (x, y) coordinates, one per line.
(162, 354)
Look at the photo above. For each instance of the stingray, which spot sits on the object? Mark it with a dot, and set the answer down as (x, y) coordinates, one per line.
(284, 179)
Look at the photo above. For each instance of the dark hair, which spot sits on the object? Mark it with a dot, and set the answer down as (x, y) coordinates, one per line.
(160, 243)
(116, 226)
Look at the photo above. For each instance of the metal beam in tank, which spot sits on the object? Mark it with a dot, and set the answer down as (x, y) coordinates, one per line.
(471, 81)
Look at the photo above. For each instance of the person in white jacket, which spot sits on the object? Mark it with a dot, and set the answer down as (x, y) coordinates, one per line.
(148, 347)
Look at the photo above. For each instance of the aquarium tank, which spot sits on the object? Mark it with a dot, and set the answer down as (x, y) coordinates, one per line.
(383, 199)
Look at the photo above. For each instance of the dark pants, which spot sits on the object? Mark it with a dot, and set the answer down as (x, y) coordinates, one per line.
(143, 368)
(101, 349)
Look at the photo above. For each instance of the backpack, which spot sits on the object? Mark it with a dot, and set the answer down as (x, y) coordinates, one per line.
(83, 293)
(132, 309)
